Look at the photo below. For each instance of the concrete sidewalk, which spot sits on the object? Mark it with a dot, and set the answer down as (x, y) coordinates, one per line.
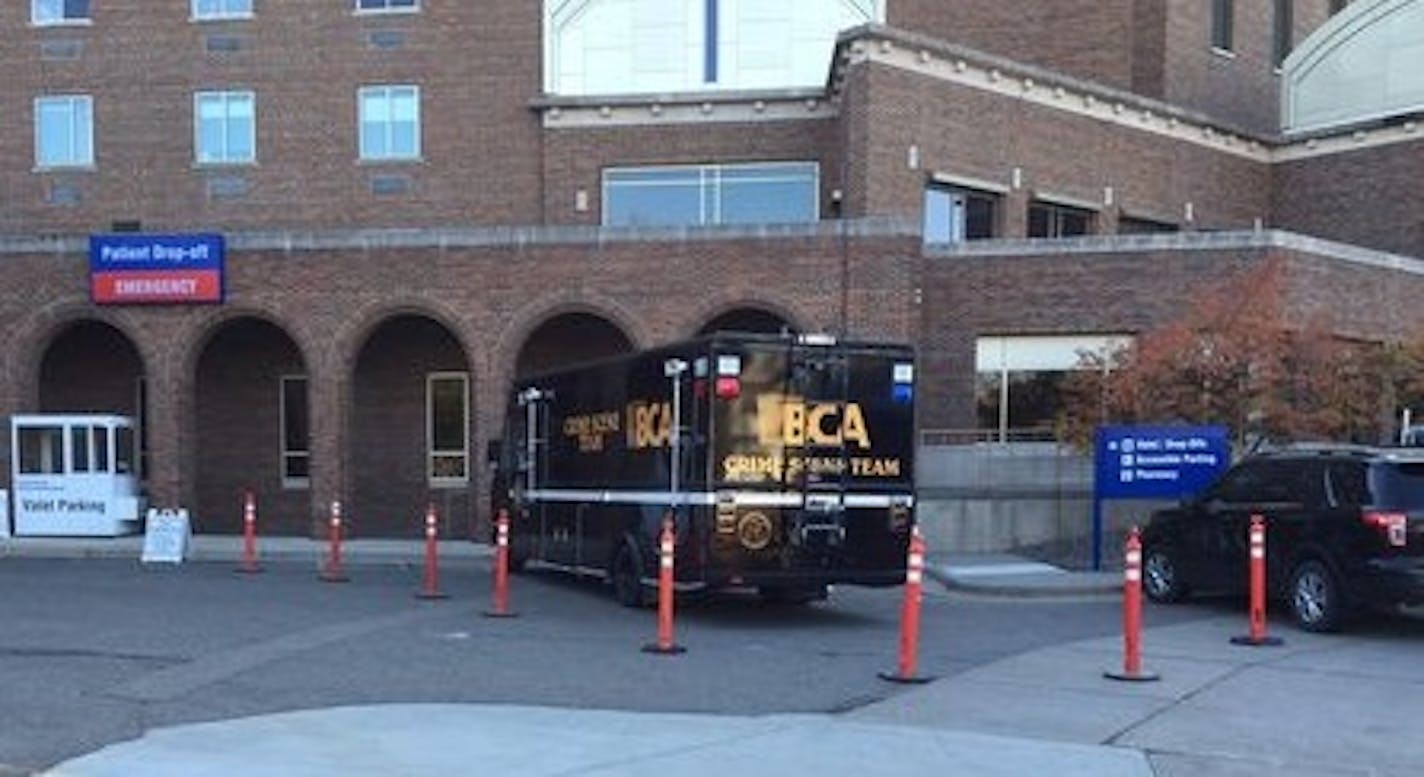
(228, 548)
(1008, 575)
(1320, 706)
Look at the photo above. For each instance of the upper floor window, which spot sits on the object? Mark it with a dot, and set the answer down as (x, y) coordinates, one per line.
(1047, 219)
(699, 195)
(225, 127)
(954, 214)
(642, 46)
(390, 122)
(1283, 38)
(387, 5)
(1222, 36)
(64, 131)
(447, 411)
(222, 9)
(59, 11)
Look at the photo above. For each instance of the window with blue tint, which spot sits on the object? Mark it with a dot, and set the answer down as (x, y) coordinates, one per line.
(225, 127)
(64, 131)
(222, 9)
(390, 122)
(387, 5)
(702, 195)
(954, 214)
(59, 11)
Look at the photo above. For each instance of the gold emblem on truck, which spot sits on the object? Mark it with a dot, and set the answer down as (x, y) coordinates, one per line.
(754, 530)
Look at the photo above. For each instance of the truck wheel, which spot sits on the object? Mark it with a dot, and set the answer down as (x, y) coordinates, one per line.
(627, 577)
(1315, 597)
(518, 556)
(1161, 578)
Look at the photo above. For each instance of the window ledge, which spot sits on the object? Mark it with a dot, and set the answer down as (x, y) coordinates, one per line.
(86, 167)
(62, 23)
(1223, 53)
(398, 160)
(228, 17)
(385, 11)
(296, 484)
(224, 167)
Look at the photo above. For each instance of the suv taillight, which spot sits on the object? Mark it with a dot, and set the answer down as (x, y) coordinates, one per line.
(1394, 526)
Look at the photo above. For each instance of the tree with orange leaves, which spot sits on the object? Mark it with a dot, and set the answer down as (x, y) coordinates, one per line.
(1232, 359)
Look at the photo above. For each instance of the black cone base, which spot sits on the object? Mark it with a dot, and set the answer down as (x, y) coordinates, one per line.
(896, 677)
(249, 570)
(498, 614)
(432, 595)
(1249, 641)
(670, 650)
(1139, 677)
(334, 577)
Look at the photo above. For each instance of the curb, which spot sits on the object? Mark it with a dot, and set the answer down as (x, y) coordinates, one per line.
(455, 554)
(1026, 586)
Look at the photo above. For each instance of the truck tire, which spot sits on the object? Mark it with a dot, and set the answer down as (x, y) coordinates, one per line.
(626, 576)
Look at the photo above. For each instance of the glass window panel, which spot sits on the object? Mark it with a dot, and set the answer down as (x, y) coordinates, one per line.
(1039, 221)
(662, 205)
(447, 414)
(1072, 223)
(101, 449)
(939, 215)
(979, 217)
(79, 449)
(123, 450)
(768, 202)
(403, 139)
(42, 450)
(1035, 399)
(296, 429)
(987, 386)
(296, 466)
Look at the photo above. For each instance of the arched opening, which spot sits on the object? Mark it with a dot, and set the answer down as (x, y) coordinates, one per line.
(567, 339)
(748, 320)
(91, 367)
(252, 429)
(411, 429)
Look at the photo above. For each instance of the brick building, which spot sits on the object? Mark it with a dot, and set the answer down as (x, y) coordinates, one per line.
(421, 199)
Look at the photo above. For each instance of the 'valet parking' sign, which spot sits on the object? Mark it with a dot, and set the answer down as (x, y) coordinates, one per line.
(136, 269)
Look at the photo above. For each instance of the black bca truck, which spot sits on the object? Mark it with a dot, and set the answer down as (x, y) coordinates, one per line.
(786, 460)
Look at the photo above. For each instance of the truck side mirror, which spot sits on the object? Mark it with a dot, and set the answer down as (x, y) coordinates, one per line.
(494, 451)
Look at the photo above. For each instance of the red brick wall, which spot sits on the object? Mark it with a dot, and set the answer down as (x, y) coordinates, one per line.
(969, 132)
(1371, 197)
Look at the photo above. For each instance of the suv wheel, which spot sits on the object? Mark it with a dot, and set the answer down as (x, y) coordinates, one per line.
(1315, 597)
(1160, 577)
(627, 577)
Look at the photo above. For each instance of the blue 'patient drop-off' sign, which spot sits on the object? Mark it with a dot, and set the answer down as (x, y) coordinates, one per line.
(1157, 462)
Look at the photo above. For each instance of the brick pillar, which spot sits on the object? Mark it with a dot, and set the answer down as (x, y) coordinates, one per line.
(172, 424)
(329, 406)
(488, 407)
(1015, 217)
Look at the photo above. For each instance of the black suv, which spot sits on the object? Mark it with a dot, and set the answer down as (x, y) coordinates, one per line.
(1345, 529)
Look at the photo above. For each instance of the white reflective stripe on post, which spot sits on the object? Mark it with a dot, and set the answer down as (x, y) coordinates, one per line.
(913, 577)
(1258, 553)
(1134, 557)
(917, 561)
(1133, 575)
(665, 562)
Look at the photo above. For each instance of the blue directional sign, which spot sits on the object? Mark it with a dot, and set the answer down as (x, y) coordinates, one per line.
(1156, 462)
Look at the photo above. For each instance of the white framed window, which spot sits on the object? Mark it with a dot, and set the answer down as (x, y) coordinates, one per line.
(64, 131)
(47, 12)
(387, 6)
(204, 10)
(389, 122)
(224, 128)
(1019, 379)
(699, 195)
(447, 424)
(296, 431)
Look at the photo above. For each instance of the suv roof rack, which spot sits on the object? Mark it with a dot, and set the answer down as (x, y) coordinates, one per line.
(1322, 449)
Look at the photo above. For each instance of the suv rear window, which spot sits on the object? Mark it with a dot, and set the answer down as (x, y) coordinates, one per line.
(1398, 485)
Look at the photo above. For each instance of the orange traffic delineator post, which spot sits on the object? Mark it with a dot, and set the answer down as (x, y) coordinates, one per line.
(430, 586)
(1257, 637)
(501, 568)
(666, 542)
(249, 563)
(910, 615)
(1132, 615)
(333, 572)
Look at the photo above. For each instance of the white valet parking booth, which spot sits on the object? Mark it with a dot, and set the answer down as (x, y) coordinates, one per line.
(74, 476)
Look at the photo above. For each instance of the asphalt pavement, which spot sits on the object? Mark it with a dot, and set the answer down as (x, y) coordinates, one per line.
(1320, 705)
